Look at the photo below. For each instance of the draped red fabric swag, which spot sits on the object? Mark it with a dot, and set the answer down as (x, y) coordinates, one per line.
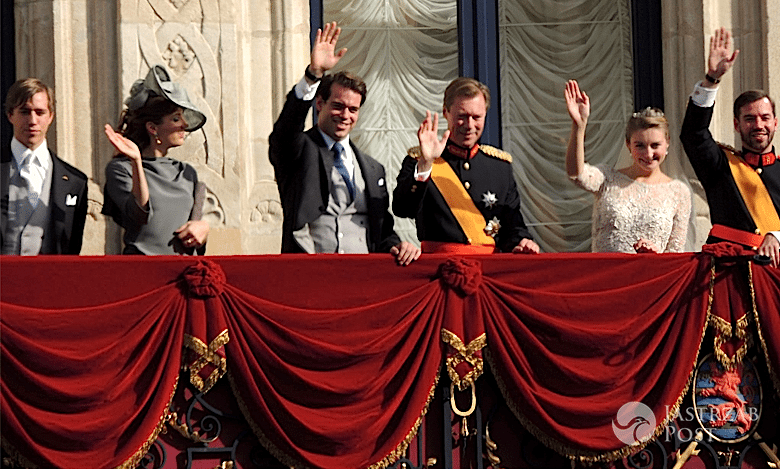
(333, 359)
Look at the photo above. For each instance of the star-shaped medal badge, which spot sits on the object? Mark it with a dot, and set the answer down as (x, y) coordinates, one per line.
(489, 199)
(492, 227)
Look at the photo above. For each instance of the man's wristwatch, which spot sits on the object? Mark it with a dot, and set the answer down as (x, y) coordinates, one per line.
(310, 75)
(707, 76)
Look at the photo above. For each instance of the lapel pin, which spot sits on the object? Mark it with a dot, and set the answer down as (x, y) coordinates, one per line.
(65, 177)
(381, 182)
(70, 200)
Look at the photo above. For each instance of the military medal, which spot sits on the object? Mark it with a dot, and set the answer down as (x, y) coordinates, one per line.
(489, 199)
(492, 227)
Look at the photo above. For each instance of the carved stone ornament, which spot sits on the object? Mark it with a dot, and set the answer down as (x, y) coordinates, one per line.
(179, 55)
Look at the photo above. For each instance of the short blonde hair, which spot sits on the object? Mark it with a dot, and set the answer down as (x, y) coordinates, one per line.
(468, 87)
(647, 118)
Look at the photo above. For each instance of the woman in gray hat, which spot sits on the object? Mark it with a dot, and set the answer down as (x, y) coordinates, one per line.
(155, 198)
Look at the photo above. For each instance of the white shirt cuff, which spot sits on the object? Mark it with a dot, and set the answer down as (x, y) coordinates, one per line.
(305, 91)
(703, 97)
(423, 176)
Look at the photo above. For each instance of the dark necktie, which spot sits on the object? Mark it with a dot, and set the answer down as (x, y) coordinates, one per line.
(338, 161)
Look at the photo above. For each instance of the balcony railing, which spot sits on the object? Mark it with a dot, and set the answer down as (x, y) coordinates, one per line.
(351, 361)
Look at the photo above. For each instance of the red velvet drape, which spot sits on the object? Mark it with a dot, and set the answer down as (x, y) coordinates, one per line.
(333, 358)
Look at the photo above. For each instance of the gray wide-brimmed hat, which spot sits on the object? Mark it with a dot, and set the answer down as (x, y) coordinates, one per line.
(158, 83)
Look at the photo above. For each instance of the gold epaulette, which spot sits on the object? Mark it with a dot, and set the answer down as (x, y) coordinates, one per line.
(729, 148)
(414, 152)
(496, 153)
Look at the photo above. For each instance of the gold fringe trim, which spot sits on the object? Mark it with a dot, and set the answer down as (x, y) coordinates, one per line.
(207, 355)
(139, 455)
(775, 379)
(496, 153)
(286, 459)
(400, 450)
(719, 324)
(727, 362)
(588, 457)
(465, 354)
(729, 148)
(130, 463)
(416, 153)
(724, 331)
(280, 455)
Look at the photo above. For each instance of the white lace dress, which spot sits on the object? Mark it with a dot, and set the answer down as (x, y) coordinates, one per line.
(626, 210)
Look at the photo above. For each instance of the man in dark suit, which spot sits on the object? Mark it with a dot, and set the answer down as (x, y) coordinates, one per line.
(334, 197)
(742, 186)
(43, 200)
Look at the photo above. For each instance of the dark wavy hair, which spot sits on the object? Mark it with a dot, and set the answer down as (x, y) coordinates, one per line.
(348, 80)
(132, 124)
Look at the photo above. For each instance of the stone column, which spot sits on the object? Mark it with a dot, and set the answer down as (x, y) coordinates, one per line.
(772, 32)
(70, 44)
(276, 53)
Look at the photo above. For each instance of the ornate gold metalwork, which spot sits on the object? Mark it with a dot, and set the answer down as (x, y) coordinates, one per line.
(207, 355)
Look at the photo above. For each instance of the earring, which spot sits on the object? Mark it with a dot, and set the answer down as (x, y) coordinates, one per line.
(157, 140)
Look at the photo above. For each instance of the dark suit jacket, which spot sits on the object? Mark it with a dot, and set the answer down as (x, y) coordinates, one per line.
(67, 221)
(712, 168)
(302, 165)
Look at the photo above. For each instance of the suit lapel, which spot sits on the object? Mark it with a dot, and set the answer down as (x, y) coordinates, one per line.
(61, 217)
(325, 163)
(5, 174)
(370, 173)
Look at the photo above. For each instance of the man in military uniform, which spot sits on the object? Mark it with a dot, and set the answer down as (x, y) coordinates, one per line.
(462, 195)
(742, 187)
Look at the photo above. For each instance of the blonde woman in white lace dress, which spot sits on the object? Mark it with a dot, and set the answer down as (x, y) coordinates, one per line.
(638, 208)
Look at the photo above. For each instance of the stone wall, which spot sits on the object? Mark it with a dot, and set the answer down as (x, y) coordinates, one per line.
(236, 58)
(239, 58)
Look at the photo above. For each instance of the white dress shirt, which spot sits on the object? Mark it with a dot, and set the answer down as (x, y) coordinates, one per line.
(39, 162)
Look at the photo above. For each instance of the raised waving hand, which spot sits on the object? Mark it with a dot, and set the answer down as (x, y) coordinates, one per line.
(722, 54)
(431, 146)
(578, 105)
(323, 52)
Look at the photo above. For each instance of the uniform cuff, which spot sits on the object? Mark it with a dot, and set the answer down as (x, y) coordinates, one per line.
(422, 176)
